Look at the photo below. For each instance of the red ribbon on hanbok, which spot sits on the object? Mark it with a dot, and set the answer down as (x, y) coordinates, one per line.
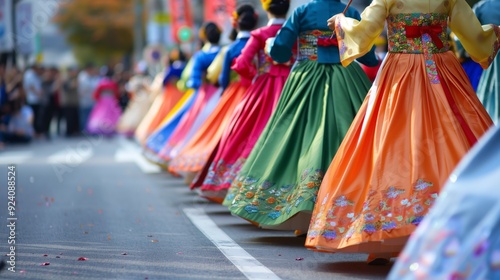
(433, 31)
(327, 42)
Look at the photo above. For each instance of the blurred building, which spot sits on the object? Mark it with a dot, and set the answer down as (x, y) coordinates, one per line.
(33, 36)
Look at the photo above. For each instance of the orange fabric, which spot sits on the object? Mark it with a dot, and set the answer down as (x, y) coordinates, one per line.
(194, 155)
(395, 158)
(161, 106)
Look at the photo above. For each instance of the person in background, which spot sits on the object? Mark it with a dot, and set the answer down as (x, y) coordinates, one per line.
(3, 90)
(165, 93)
(48, 103)
(106, 113)
(139, 91)
(14, 83)
(87, 83)
(69, 103)
(488, 90)
(32, 84)
(121, 78)
(19, 127)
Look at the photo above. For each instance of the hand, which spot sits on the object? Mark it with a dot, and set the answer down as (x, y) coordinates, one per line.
(331, 22)
(269, 43)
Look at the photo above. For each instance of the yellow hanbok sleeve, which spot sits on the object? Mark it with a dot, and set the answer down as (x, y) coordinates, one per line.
(186, 73)
(356, 38)
(215, 68)
(481, 42)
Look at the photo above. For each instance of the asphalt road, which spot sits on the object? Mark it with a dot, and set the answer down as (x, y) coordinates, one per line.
(93, 208)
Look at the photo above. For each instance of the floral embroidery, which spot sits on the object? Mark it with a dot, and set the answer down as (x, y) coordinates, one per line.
(340, 33)
(309, 42)
(329, 234)
(399, 43)
(264, 62)
(393, 192)
(396, 208)
(274, 201)
(434, 26)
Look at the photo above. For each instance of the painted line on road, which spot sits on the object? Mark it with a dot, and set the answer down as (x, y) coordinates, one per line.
(129, 152)
(247, 264)
(70, 156)
(15, 157)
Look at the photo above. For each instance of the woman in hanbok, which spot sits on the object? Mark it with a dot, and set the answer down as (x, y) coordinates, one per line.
(167, 96)
(419, 119)
(488, 90)
(191, 158)
(276, 187)
(460, 237)
(106, 112)
(253, 112)
(182, 118)
(140, 101)
(213, 71)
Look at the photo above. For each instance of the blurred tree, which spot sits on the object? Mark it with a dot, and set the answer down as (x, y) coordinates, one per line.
(99, 31)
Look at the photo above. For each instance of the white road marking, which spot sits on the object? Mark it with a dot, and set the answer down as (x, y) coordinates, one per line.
(129, 152)
(70, 157)
(14, 157)
(247, 264)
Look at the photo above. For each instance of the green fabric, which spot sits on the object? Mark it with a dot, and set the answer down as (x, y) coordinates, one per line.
(284, 170)
(488, 89)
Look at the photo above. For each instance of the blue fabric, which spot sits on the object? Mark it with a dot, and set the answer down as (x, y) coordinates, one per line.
(3, 94)
(174, 71)
(488, 11)
(314, 16)
(233, 51)
(157, 141)
(201, 60)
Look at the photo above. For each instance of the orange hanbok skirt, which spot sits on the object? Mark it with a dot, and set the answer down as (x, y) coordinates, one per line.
(160, 108)
(410, 133)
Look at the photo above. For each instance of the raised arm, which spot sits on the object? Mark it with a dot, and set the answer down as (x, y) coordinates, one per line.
(481, 42)
(356, 37)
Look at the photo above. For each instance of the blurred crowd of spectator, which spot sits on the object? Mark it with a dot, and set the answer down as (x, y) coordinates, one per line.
(43, 102)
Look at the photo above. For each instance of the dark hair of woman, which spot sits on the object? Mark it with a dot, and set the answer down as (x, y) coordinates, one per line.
(212, 32)
(279, 8)
(247, 18)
